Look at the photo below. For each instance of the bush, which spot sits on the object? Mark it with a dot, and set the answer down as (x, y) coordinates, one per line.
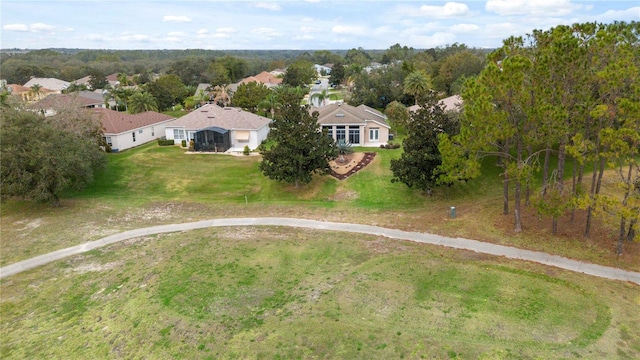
(246, 150)
(390, 146)
(184, 143)
(165, 142)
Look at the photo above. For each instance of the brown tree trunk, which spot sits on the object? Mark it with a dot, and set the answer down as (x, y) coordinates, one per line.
(596, 183)
(561, 162)
(517, 195)
(545, 171)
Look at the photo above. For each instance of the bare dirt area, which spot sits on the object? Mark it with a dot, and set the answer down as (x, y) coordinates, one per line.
(348, 164)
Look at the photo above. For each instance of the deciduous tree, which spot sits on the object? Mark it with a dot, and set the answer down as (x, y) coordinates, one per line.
(43, 157)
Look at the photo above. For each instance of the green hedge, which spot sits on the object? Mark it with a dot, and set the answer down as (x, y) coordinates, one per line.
(165, 142)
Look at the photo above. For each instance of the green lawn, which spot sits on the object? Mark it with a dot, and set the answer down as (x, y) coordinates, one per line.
(270, 293)
(290, 293)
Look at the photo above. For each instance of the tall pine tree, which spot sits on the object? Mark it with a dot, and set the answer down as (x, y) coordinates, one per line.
(417, 166)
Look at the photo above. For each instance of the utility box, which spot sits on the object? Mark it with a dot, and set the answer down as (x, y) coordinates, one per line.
(453, 212)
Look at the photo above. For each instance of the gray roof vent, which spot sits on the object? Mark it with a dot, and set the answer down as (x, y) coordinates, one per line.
(339, 115)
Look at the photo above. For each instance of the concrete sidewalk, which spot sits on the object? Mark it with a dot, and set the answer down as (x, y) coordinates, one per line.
(456, 243)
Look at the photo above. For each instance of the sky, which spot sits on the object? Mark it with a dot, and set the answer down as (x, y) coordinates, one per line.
(292, 24)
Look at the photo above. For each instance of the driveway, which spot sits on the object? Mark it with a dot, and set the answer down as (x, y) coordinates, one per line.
(456, 243)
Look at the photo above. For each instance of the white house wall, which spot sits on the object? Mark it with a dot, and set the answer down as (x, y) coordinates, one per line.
(124, 141)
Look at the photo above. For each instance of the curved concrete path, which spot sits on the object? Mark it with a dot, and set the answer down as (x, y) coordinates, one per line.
(456, 243)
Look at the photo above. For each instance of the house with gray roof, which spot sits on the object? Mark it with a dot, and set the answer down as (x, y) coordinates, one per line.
(53, 84)
(123, 130)
(219, 129)
(361, 125)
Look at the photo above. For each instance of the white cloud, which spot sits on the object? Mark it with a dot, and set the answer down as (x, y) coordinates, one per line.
(532, 7)
(303, 37)
(430, 41)
(306, 19)
(35, 28)
(265, 31)
(309, 29)
(449, 9)
(135, 37)
(464, 28)
(269, 6)
(621, 15)
(203, 32)
(227, 30)
(349, 30)
(176, 34)
(178, 19)
(16, 27)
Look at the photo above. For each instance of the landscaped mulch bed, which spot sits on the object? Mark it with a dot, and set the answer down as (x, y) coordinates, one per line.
(368, 157)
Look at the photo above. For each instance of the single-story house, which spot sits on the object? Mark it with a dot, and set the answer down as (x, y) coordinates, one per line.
(220, 128)
(123, 130)
(53, 84)
(362, 125)
(322, 69)
(451, 103)
(265, 78)
(48, 105)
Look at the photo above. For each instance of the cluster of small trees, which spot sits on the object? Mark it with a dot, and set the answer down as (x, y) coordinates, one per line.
(571, 93)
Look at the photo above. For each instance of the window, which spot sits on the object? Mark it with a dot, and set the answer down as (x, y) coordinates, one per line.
(243, 135)
(107, 140)
(354, 134)
(329, 130)
(134, 136)
(140, 131)
(153, 132)
(178, 134)
(341, 133)
(374, 134)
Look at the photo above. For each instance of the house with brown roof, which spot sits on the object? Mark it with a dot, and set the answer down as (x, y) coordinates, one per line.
(123, 130)
(361, 125)
(451, 103)
(265, 78)
(219, 129)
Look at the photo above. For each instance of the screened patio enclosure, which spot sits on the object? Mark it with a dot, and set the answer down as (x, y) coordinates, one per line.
(212, 139)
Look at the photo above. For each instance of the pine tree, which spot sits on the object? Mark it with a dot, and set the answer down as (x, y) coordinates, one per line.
(417, 166)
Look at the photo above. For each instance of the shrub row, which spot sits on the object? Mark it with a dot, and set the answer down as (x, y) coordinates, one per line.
(165, 142)
(390, 146)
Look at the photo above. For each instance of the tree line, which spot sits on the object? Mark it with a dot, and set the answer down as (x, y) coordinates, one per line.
(569, 93)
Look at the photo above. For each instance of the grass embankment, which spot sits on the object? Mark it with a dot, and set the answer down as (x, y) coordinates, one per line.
(292, 293)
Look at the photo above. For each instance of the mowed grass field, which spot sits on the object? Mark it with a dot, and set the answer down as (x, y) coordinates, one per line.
(282, 293)
(290, 293)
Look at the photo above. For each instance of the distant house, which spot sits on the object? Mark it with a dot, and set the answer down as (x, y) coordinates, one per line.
(123, 130)
(322, 69)
(220, 129)
(451, 103)
(265, 78)
(53, 84)
(48, 105)
(362, 125)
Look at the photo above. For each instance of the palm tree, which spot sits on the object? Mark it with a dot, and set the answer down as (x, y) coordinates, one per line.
(417, 83)
(200, 97)
(141, 102)
(322, 97)
(221, 95)
(36, 91)
(270, 103)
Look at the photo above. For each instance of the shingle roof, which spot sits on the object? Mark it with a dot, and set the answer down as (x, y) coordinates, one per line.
(115, 122)
(451, 103)
(48, 83)
(345, 114)
(226, 118)
(55, 100)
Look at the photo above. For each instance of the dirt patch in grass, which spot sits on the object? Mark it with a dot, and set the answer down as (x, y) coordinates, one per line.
(349, 164)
